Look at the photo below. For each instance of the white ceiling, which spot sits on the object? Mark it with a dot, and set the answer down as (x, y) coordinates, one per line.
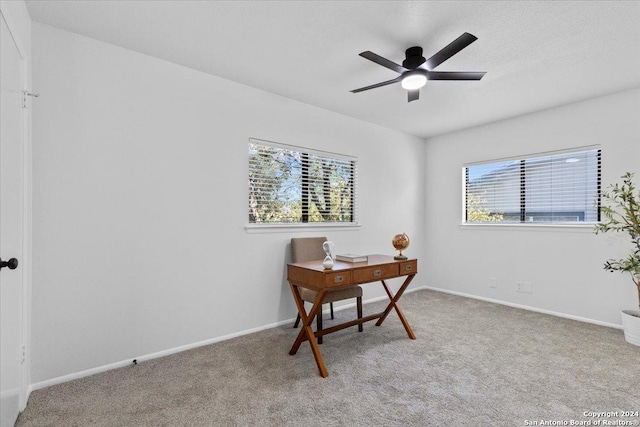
(536, 54)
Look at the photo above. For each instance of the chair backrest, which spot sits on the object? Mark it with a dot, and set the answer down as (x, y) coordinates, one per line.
(307, 248)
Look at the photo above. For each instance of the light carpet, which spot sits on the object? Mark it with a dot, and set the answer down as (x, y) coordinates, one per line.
(474, 364)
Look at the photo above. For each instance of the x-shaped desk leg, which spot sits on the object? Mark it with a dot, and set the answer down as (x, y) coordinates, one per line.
(306, 332)
(393, 304)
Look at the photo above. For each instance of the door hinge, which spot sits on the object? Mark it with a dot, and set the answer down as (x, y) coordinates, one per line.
(25, 94)
(22, 353)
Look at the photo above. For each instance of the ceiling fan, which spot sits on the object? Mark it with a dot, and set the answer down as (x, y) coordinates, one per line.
(415, 70)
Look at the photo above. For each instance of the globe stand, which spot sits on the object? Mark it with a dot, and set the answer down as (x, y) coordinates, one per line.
(400, 256)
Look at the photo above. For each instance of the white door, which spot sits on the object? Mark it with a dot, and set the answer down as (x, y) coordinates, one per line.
(11, 226)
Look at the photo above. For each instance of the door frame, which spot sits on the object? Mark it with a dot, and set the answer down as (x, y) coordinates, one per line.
(27, 217)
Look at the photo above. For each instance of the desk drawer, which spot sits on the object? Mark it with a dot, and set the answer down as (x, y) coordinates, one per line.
(375, 273)
(338, 279)
(409, 267)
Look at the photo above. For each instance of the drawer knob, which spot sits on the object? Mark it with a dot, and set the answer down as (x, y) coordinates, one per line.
(377, 273)
(407, 268)
(338, 279)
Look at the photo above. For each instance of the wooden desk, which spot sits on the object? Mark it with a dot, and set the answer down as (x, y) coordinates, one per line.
(312, 275)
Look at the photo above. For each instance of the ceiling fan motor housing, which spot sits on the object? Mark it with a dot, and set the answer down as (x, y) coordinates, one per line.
(414, 58)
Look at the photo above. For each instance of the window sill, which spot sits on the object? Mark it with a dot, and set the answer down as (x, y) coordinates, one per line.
(292, 228)
(583, 227)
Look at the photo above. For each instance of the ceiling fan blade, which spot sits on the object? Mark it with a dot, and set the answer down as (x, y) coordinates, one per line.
(388, 82)
(383, 61)
(414, 94)
(455, 75)
(448, 51)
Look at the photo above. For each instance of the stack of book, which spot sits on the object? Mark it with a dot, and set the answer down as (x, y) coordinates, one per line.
(352, 258)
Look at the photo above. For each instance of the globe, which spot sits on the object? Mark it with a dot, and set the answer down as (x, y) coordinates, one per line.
(400, 242)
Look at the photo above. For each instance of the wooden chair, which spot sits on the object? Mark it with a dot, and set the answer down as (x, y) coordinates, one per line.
(310, 249)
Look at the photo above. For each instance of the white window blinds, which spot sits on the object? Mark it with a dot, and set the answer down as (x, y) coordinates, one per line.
(561, 187)
(289, 185)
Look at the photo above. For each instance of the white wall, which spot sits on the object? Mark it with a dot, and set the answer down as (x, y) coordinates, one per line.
(564, 265)
(17, 16)
(140, 203)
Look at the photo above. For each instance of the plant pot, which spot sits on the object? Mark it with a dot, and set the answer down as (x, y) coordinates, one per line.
(631, 326)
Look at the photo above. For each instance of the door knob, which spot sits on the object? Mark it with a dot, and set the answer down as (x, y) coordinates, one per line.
(12, 264)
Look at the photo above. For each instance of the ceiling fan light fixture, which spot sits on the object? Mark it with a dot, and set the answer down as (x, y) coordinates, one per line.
(414, 81)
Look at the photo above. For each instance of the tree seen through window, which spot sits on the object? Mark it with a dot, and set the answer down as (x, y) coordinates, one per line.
(294, 185)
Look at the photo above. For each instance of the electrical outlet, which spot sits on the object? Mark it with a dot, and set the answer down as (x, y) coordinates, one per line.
(493, 282)
(524, 287)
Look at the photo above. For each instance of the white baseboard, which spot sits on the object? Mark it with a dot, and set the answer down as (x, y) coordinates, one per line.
(127, 362)
(123, 363)
(526, 307)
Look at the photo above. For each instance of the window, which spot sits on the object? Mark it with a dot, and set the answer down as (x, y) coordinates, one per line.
(562, 187)
(291, 185)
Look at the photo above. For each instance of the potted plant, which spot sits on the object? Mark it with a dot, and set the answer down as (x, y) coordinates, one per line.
(620, 212)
